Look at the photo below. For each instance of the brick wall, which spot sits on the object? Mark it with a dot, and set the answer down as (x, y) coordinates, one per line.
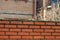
(19, 30)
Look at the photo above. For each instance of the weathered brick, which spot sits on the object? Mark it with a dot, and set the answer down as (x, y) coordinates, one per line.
(48, 30)
(15, 37)
(11, 39)
(27, 30)
(49, 37)
(34, 33)
(15, 30)
(45, 27)
(57, 37)
(38, 30)
(1, 26)
(50, 23)
(4, 29)
(56, 34)
(58, 23)
(27, 37)
(11, 33)
(45, 34)
(4, 22)
(39, 23)
(38, 37)
(35, 27)
(28, 22)
(57, 30)
(3, 37)
(16, 22)
(23, 33)
(22, 26)
(56, 27)
(2, 33)
(10, 26)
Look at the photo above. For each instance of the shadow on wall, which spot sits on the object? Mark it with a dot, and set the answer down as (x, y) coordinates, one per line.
(22, 0)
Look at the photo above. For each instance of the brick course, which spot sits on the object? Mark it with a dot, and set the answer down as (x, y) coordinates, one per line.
(20, 30)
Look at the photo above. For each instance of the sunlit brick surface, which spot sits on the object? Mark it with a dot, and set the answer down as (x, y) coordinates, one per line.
(20, 30)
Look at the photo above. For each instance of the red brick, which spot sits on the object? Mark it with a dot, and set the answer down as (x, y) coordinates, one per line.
(2, 33)
(38, 37)
(11, 33)
(34, 33)
(39, 23)
(27, 37)
(56, 34)
(50, 23)
(38, 30)
(57, 37)
(10, 26)
(45, 27)
(15, 37)
(57, 30)
(45, 34)
(34, 27)
(27, 30)
(15, 30)
(11, 39)
(4, 29)
(23, 33)
(56, 27)
(58, 23)
(49, 37)
(16, 22)
(1, 26)
(28, 22)
(49, 30)
(3, 37)
(4, 22)
(22, 26)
